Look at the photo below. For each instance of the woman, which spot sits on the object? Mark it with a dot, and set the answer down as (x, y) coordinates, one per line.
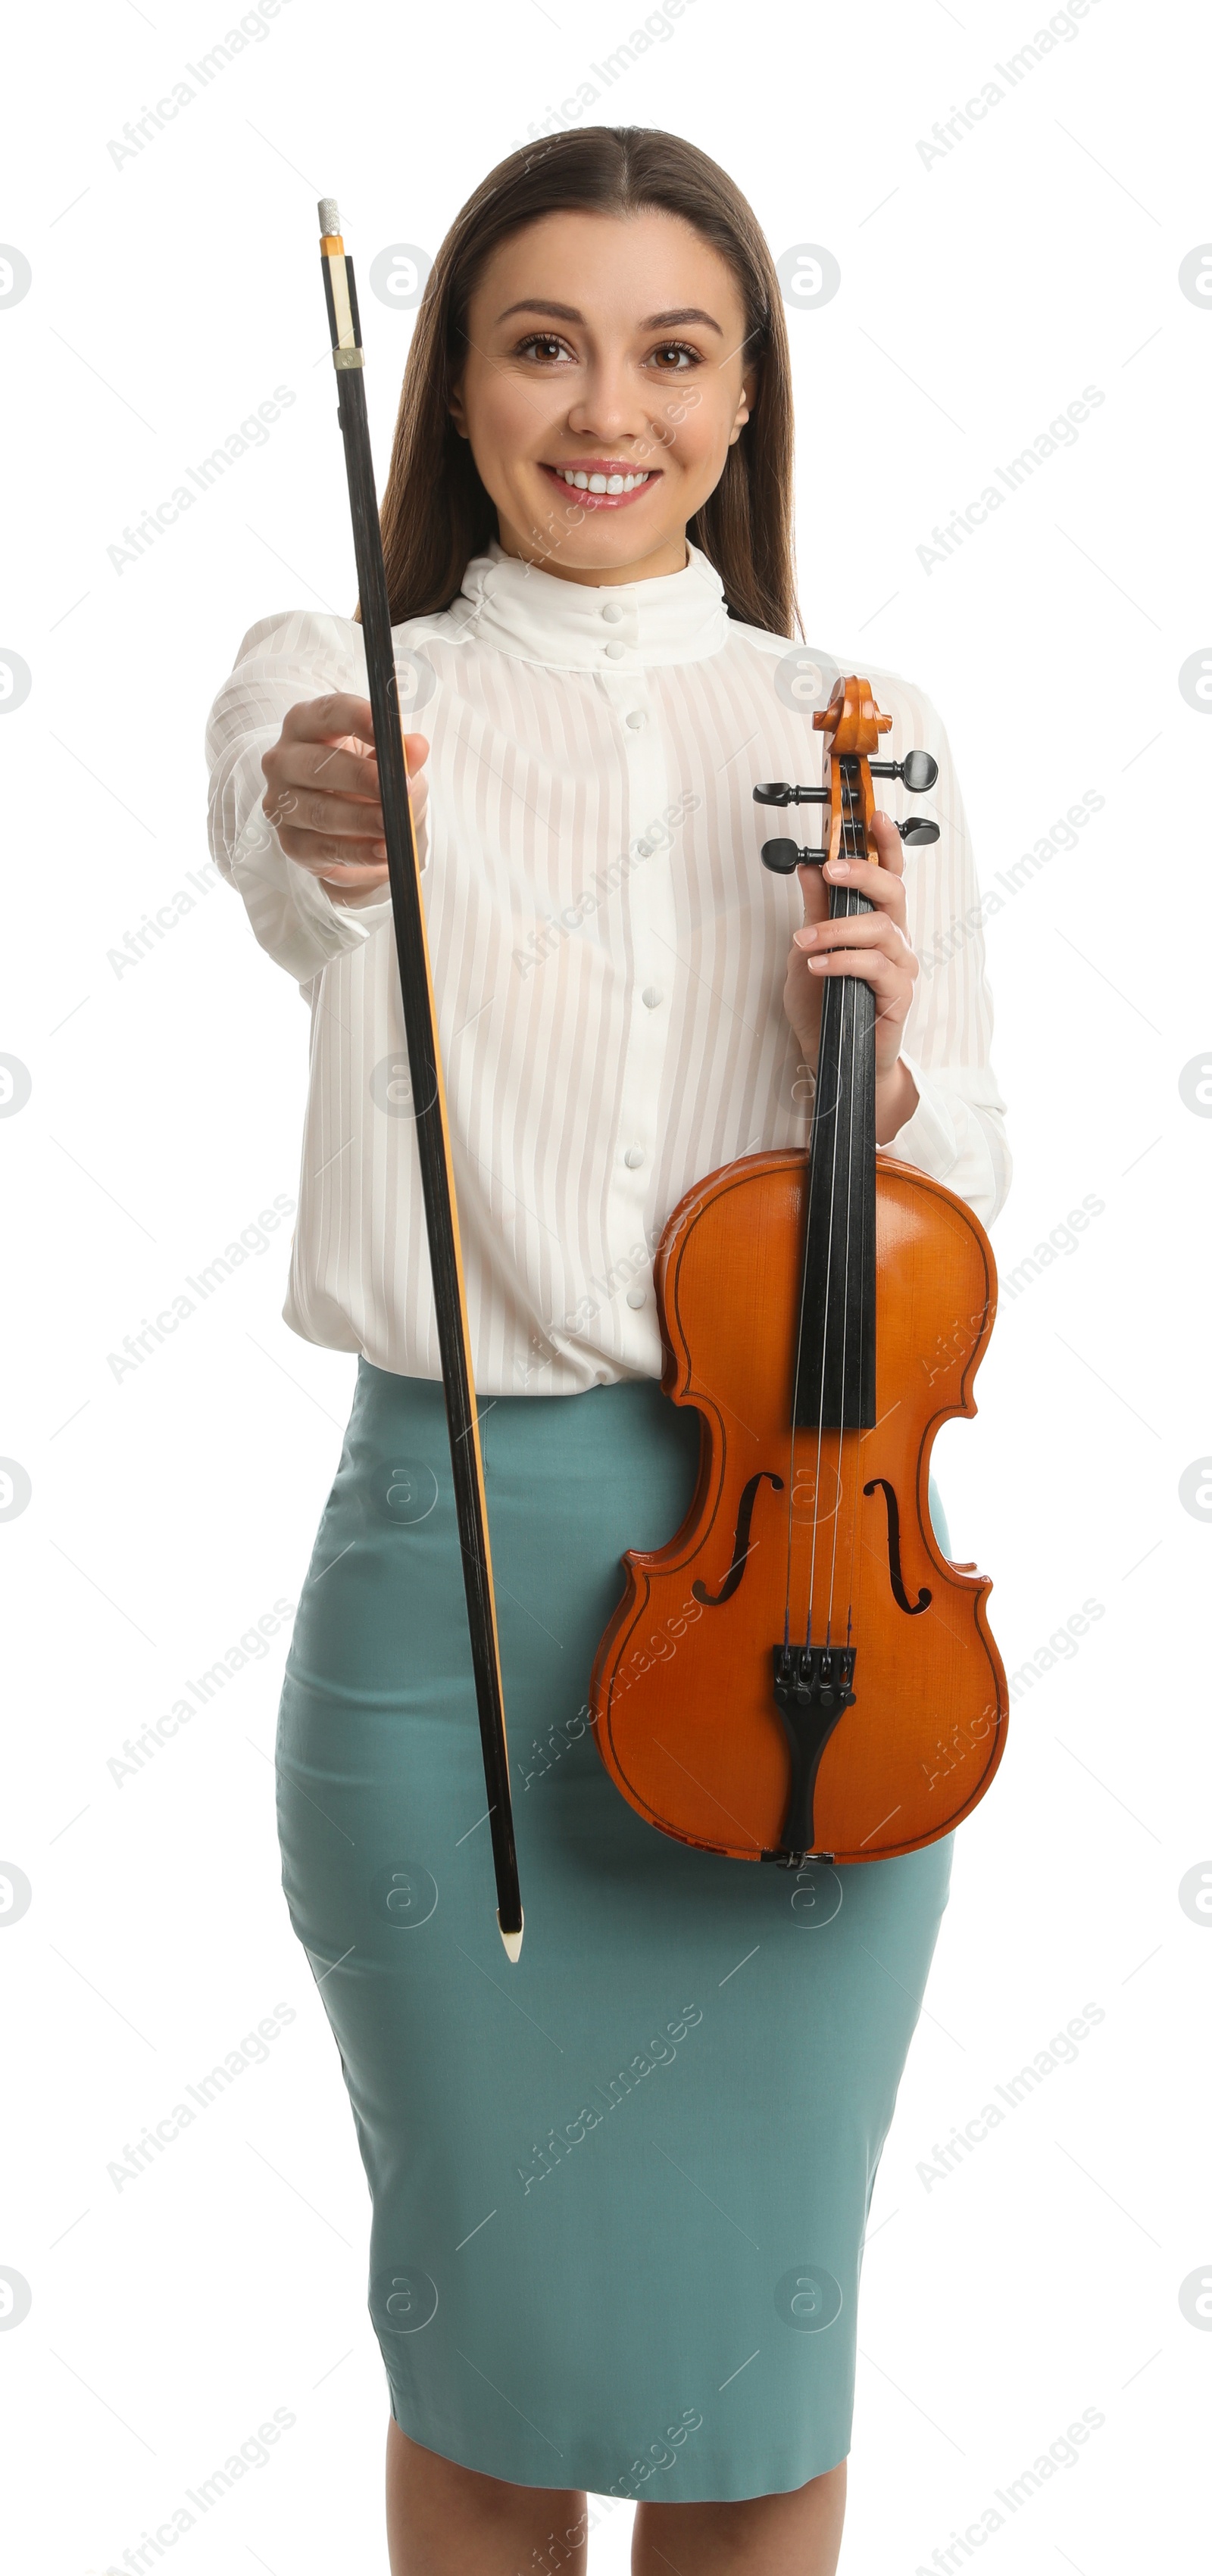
(597, 2178)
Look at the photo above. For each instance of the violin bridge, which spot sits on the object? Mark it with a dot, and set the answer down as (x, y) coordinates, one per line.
(813, 1688)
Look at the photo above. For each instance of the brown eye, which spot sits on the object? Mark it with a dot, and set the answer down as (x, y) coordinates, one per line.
(541, 344)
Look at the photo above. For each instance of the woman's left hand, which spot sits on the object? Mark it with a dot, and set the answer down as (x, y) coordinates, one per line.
(874, 946)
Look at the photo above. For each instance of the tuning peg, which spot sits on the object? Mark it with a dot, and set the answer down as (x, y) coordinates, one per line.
(918, 771)
(917, 831)
(784, 857)
(777, 792)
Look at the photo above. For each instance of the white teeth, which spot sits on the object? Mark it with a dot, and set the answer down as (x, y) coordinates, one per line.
(600, 482)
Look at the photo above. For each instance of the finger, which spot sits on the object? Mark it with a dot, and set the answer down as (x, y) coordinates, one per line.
(363, 812)
(888, 842)
(814, 892)
(868, 966)
(326, 719)
(858, 930)
(333, 816)
(350, 880)
(316, 851)
(343, 768)
(346, 768)
(879, 884)
(345, 784)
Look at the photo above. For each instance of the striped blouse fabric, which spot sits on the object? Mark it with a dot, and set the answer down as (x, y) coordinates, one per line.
(608, 958)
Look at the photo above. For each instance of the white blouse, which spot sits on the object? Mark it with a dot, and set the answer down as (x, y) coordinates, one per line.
(608, 957)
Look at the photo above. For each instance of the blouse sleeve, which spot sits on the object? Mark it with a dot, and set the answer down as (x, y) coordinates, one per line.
(281, 660)
(957, 1131)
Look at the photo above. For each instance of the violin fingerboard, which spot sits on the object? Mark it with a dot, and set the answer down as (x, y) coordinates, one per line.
(834, 1384)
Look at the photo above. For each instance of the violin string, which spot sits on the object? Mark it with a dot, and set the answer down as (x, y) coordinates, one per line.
(850, 1013)
(798, 1370)
(795, 1400)
(795, 1384)
(825, 1057)
(840, 1018)
(860, 835)
(828, 1015)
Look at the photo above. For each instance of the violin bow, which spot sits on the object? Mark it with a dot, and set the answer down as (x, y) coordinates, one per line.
(425, 1067)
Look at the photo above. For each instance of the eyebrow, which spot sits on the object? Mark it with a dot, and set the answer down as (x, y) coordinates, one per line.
(569, 313)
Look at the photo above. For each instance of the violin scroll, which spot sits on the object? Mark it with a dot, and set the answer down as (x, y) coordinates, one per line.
(854, 724)
(852, 721)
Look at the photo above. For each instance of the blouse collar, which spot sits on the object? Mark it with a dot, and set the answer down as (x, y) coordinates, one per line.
(572, 625)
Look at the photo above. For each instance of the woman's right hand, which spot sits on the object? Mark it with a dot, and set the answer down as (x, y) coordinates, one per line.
(323, 793)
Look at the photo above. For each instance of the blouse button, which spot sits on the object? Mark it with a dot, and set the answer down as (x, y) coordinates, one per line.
(616, 651)
(633, 1157)
(637, 1296)
(636, 719)
(612, 612)
(650, 996)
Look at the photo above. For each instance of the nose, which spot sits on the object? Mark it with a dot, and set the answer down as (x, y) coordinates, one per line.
(611, 409)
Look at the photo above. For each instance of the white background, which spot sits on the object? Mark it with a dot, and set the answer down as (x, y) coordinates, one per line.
(980, 293)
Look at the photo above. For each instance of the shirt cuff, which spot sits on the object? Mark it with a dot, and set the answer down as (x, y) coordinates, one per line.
(928, 1138)
(314, 901)
(374, 901)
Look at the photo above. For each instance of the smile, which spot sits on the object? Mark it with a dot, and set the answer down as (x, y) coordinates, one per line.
(603, 487)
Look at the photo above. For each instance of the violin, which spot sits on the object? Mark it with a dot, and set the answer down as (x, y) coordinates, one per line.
(799, 1673)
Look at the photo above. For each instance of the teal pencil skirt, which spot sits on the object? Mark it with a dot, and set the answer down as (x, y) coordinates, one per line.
(619, 2190)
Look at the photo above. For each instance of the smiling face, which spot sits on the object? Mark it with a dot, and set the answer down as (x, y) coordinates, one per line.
(604, 383)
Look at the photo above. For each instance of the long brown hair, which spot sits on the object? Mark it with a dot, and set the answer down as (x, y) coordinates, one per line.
(436, 512)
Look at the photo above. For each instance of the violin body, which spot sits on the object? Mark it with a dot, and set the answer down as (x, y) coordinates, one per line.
(687, 1720)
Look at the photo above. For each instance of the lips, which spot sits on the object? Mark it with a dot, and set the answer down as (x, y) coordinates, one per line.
(602, 483)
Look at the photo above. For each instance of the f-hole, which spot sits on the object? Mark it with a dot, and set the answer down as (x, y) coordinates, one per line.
(740, 1544)
(911, 1608)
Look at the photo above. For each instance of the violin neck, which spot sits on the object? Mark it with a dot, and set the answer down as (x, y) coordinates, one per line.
(835, 1364)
